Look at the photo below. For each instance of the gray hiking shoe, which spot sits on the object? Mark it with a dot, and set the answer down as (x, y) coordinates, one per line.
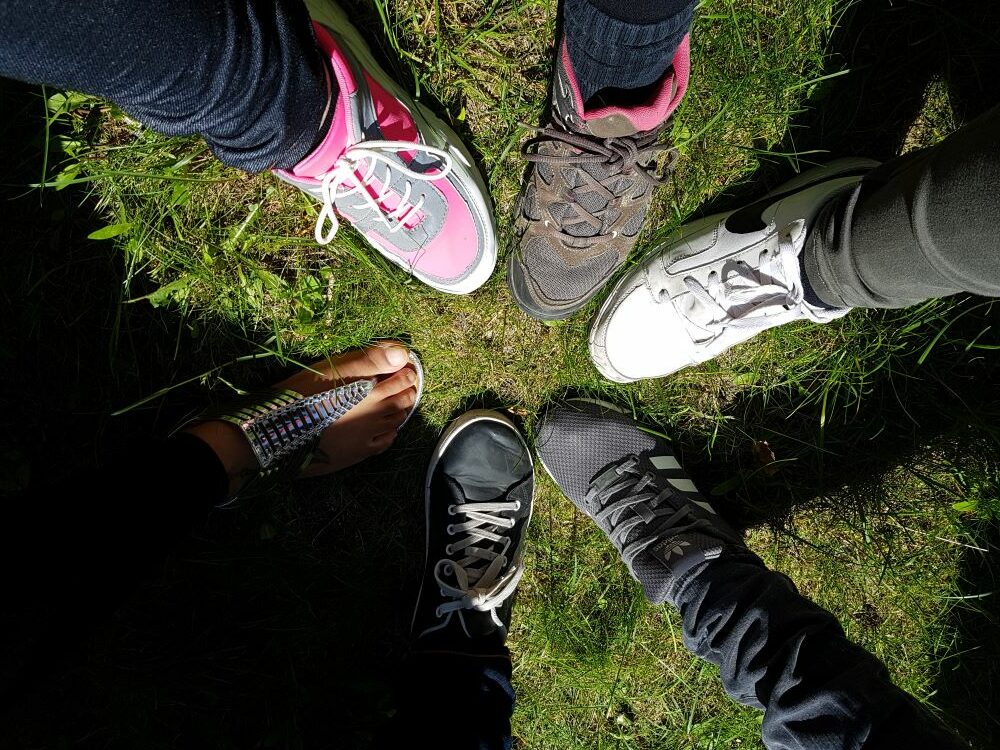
(631, 484)
(586, 196)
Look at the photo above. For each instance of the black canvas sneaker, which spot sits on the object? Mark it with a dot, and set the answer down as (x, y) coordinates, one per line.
(478, 495)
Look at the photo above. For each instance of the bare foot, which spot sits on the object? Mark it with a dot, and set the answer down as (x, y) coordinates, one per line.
(370, 427)
(367, 429)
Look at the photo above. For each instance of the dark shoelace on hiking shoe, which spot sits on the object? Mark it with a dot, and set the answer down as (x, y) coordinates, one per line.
(623, 155)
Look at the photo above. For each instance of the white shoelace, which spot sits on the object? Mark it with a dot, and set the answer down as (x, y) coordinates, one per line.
(751, 297)
(347, 169)
(471, 587)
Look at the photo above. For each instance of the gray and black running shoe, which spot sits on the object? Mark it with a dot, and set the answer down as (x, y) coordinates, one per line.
(630, 483)
(478, 495)
(586, 195)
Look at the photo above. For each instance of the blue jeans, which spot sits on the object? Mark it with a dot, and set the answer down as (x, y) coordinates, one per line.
(779, 652)
(246, 75)
(775, 649)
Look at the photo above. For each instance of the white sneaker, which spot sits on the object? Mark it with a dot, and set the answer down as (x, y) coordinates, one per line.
(718, 282)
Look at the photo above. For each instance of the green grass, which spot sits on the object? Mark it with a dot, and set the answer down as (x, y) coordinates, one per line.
(882, 424)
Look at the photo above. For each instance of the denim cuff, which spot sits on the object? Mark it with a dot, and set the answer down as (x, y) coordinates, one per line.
(606, 52)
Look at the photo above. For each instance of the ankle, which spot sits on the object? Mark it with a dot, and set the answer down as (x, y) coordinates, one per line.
(821, 235)
(326, 119)
(595, 38)
(232, 449)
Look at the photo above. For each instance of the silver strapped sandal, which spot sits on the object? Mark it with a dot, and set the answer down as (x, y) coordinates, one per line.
(283, 427)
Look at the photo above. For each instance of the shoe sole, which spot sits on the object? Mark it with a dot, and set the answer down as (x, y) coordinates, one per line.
(801, 182)
(469, 417)
(419, 367)
(434, 132)
(528, 306)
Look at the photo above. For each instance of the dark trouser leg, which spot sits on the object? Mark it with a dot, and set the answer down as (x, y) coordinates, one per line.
(622, 45)
(245, 74)
(780, 652)
(919, 227)
(76, 550)
(458, 701)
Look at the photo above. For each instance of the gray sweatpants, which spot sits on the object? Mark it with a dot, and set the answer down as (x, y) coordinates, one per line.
(921, 226)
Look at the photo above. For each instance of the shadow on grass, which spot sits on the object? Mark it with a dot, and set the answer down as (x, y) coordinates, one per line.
(968, 688)
(946, 407)
(280, 623)
(891, 51)
(283, 623)
(939, 414)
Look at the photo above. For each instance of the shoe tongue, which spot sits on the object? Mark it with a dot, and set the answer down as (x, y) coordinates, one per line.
(591, 201)
(616, 121)
(739, 295)
(614, 124)
(659, 567)
(331, 148)
(476, 623)
(339, 131)
(463, 502)
(603, 122)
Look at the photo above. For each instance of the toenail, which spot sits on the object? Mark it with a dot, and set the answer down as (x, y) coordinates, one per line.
(397, 355)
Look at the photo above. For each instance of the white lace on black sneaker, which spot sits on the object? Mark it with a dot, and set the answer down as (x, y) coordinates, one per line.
(478, 581)
(750, 297)
(373, 193)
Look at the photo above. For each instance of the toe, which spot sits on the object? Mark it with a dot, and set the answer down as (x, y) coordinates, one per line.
(402, 401)
(383, 358)
(394, 420)
(395, 383)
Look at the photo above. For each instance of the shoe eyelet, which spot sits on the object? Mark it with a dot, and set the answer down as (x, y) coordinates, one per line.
(451, 530)
(448, 550)
(438, 612)
(451, 510)
(517, 505)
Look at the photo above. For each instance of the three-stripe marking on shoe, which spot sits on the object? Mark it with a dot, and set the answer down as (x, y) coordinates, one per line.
(664, 463)
(682, 484)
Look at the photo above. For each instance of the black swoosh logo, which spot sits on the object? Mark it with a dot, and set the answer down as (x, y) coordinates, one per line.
(747, 220)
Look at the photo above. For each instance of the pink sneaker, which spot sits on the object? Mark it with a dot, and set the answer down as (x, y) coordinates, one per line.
(395, 172)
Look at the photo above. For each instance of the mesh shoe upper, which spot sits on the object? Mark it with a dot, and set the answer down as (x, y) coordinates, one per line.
(632, 485)
(577, 442)
(586, 197)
